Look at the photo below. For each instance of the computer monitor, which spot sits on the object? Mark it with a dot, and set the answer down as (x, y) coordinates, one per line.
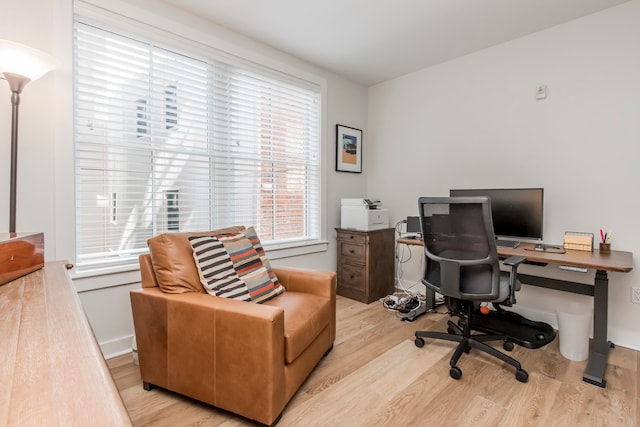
(516, 212)
(413, 224)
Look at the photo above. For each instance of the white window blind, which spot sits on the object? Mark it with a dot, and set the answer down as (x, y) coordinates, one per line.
(169, 141)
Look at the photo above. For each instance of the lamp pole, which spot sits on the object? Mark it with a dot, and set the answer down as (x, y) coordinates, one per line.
(16, 84)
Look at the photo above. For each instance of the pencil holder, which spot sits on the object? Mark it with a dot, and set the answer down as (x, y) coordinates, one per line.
(605, 248)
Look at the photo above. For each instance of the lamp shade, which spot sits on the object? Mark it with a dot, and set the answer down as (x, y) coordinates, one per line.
(16, 58)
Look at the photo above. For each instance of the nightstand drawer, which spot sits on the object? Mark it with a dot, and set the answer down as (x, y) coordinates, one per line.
(355, 252)
(356, 238)
(353, 277)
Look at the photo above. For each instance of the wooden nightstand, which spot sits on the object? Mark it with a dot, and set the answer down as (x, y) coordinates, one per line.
(365, 263)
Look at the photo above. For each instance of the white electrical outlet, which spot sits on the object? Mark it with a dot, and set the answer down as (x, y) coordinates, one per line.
(635, 295)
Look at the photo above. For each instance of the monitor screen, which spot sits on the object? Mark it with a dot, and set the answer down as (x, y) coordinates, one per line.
(413, 224)
(516, 212)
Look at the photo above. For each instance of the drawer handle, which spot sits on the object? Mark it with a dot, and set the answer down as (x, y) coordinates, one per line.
(351, 251)
(352, 277)
(352, 236)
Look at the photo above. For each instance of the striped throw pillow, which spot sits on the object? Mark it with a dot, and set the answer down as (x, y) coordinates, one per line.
(251, 234)
(230, 267)
(249, 266)
(217, 274)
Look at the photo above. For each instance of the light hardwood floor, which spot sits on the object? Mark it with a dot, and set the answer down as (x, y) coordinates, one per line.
(376, 376)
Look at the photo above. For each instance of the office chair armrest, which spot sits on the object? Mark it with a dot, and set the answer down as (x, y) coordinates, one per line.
(513, 262)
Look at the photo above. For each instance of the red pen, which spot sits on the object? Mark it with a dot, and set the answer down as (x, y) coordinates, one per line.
(602, 235)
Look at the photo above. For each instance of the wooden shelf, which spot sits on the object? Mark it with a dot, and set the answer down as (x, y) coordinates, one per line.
(52, 370)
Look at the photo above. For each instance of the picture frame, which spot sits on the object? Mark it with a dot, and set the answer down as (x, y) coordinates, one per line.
(348, 149)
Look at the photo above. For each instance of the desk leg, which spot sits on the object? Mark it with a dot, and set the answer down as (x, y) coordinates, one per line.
(430, 299)
(594, 374)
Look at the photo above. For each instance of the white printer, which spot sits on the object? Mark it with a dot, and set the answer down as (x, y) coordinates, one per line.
(363, 214)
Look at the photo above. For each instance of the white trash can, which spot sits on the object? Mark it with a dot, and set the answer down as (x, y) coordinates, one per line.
(574, 326)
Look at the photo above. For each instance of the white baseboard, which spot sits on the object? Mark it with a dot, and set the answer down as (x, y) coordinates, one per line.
(116, 347)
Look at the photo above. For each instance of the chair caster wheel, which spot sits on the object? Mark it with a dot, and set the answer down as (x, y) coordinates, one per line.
(522, 375)
(455, 372)
(419, 342)
(507, 345)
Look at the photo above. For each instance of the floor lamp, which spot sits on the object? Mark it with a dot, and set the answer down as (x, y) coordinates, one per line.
(20, 253)
(19, 64)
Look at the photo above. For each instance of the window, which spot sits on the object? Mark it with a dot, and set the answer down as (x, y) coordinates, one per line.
(173, 211)
(184, 142)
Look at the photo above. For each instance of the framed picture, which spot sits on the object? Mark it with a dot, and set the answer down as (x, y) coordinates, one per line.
(348, 149)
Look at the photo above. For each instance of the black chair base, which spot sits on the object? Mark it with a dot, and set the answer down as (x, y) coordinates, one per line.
(468, 341)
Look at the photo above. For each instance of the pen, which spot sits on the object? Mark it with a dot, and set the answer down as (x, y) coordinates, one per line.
(607, 237)
(602, 236)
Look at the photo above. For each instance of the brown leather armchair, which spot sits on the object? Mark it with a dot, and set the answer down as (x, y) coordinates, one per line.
(246, 358)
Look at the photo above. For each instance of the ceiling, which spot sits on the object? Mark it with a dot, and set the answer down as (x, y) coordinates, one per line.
(370, 41)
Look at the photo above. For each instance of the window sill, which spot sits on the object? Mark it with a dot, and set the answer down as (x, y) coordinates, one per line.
(275, 252)
(121, 275)
(91, 280)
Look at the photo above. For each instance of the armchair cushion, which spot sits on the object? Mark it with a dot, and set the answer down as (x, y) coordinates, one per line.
(305, 316)
(172, 261)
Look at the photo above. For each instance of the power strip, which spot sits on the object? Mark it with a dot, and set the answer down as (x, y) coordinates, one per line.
(573, 268)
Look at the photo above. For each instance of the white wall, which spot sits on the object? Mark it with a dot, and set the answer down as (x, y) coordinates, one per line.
(45, 175)
(474, 122)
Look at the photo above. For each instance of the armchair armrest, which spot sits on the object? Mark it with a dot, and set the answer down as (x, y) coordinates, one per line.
(513, 262)
(148, 276)
(322, 283)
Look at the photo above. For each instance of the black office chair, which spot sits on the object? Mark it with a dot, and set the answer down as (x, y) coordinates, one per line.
(462, 264)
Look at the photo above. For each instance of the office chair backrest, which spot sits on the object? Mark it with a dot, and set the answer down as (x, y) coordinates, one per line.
(460, 247)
